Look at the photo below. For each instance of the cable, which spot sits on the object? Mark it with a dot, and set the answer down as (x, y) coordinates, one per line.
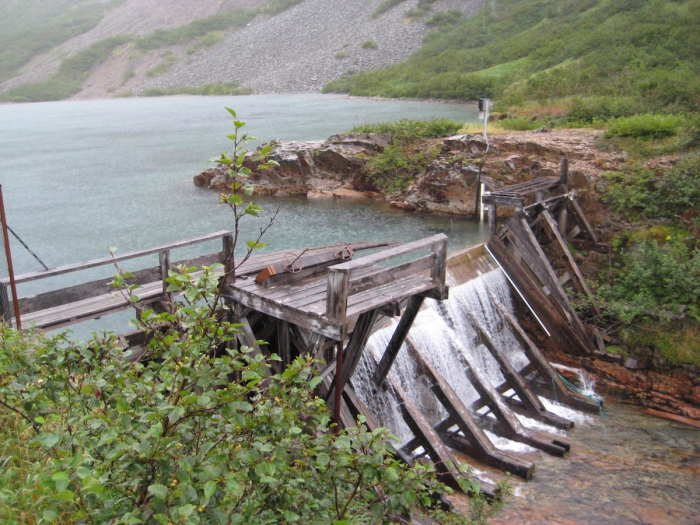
(27, 247)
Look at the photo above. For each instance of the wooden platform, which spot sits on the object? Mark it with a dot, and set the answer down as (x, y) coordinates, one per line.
(330, 303)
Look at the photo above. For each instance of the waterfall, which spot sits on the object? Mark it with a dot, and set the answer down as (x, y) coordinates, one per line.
(443, 335)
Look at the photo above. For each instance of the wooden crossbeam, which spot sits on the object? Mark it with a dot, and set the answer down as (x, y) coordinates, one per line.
(397, 339)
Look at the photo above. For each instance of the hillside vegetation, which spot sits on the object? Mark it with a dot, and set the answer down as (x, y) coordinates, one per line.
(586, 58)
(31, 27)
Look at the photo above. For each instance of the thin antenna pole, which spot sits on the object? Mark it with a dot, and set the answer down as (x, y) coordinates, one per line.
(27, 247)
(8, 254)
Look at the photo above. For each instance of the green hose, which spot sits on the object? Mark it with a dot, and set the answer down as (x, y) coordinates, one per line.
(568, 384)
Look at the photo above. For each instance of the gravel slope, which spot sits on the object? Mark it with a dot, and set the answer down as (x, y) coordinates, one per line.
(295, 52)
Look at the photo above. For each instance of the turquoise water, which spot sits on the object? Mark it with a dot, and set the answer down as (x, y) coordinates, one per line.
(81, 176)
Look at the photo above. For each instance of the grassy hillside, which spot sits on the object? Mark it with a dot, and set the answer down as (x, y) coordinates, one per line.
(588, 58)
(31, 27)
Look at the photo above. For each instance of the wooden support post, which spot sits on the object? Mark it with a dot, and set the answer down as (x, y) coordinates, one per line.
(508, 423)
(337, 297)
(562, 220)
(493, 228)
(529, 402)
(284, 347)
(396, 342)
(164, 260)
(560, 246)
(439, 270)
(539, 195)
(478, 444)
(564, 175)
(542, 365)
(353, 351)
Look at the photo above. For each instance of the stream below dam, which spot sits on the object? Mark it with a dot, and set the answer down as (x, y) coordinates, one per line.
(81, 176)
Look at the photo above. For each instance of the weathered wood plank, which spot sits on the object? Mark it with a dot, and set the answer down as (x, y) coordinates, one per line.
(582, 221)
(117, 258)
(503, 200)
(247, 338)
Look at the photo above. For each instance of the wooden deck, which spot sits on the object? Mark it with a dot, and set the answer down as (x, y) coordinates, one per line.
(330, 303)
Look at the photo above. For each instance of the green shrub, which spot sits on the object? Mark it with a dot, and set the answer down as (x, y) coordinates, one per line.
(520, 124)
(647, 126)
(395, 168)
(655, 279)
(638, 192)
(230, 88)
(445, 19)
(161, 69)
(341, 55)
(410, 129)
(368, 44)
(274, 7)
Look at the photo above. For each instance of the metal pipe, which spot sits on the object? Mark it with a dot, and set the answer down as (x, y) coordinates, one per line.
(8, 254)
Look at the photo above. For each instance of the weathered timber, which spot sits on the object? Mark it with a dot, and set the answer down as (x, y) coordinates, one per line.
(508, 424)
(582, 221)
(445, 465)
(492, 211)
(381, 276)
(397, 339)
(480, 446)
(543, 367)
(438, 273)
(295, 268)
(579, 282)
(564, 175)
(582, 244)
(531, 405)
(356, 345)
(557, 326)
(284, 346)
(117, 258)
(673, 417)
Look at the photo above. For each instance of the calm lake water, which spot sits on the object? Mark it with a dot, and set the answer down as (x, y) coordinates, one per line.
(81, 176)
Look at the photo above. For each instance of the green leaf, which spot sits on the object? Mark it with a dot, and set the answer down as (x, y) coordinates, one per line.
(234, 199)
(233, 113)
(87, 390)
(49, 515)
(244, 171)
(156, 430)
(323, 459)
(158, 491)
(254, 245)
(209, 489)
(92, 485)
(46, 440)
(65, 495)
(239, 124)
(268, 479)
(315, 382)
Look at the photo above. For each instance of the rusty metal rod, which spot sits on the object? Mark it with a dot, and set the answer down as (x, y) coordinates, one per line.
(8, 254)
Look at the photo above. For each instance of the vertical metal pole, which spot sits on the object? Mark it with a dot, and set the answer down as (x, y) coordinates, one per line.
(8, 254)
(338, 381)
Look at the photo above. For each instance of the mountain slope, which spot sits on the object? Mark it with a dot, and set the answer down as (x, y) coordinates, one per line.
(643, 54)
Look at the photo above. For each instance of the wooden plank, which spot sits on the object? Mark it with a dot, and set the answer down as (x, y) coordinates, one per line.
(391, 293)
(284, 347)
(578, 281)
(337, 295)
(353, 350)
(117, 258)
(481, 446)
(397, 339)
(380, 275)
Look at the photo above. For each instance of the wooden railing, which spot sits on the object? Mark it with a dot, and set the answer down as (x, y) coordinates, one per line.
(344, 281)
(92, 289)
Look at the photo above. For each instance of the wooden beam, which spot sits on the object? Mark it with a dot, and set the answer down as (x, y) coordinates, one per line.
(164, 260)
(578, 281)
(284, 347)
(542, 365)
(504, 200)
(582, 221)
(397, 339)
(492, 210)
(564, 175)
(247, 338)
(481, 447)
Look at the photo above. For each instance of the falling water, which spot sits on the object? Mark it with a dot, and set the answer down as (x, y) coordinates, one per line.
(445, 337)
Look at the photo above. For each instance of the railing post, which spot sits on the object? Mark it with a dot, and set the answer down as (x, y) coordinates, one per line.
(164, 259)
(229, 265)
(438, 273)
(337, 297)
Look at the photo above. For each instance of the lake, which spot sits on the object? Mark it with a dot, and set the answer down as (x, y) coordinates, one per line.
(81, 176)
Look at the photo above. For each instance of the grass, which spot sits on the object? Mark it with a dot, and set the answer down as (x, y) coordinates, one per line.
(385, 6)
(161, 69)
(410, 129)
(606, 58)
(368, 44)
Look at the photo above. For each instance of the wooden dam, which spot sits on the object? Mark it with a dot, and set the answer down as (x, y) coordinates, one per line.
(328, 301)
